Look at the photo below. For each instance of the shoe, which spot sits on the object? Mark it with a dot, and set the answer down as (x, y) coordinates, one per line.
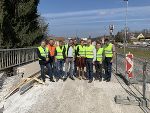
(52, 80)
(100, 79)
(72, 78)
(84, 78)
(44, 80)
(90, 81)
(79, 77)
(104, 79)
(65, 79)
(61, 78)
(108, 80)
(57, 79)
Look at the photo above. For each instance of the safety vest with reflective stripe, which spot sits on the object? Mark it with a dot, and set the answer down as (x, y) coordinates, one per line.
(99, 54)
(66, 46)
(82, 50)
(59, 55)
(51, 49)
(89, 51)
(108, 50)
(44, 53)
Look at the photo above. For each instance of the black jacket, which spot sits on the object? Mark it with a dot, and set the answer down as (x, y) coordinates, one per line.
(43, 59)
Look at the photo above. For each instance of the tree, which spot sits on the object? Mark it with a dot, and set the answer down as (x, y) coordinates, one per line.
(119, 37)
(21, 26)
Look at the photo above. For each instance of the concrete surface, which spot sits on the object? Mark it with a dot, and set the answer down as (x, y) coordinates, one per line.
(70, 97)
(9, 82)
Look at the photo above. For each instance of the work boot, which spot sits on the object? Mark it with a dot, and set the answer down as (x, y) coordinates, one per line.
(65, 78)
(71, 77)
(100, 79)
(51, 79)
(57, 79)
(90, 81)
(108, 80)
(79, 77)
(83, 77)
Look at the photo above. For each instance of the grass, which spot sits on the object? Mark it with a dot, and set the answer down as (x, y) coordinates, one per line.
(136, 52)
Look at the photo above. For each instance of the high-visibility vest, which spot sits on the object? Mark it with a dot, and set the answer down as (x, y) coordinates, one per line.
(76, 47)
(43, 53)
(99, 54)
(51, 50)
(81, 50)
(108, 50)
(89, 51)
(59, 55)
(66, 46)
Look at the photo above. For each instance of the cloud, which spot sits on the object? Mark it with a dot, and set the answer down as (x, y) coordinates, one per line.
(98, 12)
(98, 18)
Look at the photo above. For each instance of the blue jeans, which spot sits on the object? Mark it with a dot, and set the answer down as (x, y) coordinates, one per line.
(59, 67)
(89, 68)
(108, 67)
(49, 71)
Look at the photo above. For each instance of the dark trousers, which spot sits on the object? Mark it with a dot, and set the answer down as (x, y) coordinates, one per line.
(108, 67)
(59, 67)
(89, 68)
(43, 71)
(53, 67)
(98, 67)
(75, 67)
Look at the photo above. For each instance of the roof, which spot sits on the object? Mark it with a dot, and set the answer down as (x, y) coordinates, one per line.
(58, 38)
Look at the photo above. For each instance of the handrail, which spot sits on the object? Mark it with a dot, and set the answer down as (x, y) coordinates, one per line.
(14, 57)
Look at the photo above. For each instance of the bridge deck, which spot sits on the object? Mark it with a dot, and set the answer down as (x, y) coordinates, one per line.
(70, 97)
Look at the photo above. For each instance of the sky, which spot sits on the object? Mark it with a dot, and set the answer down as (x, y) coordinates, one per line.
(69, 18)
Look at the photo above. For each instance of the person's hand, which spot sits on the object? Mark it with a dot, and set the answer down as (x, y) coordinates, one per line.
(100, 62)
(55, 60)
(47, 59)
(93, 62)
(73, 59)
(112, 61)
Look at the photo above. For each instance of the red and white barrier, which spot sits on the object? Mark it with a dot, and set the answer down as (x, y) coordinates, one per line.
(129, 65)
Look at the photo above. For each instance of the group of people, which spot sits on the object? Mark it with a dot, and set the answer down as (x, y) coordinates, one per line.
(76, 60)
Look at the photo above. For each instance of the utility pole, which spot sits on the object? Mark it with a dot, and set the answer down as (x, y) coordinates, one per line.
(126, 17)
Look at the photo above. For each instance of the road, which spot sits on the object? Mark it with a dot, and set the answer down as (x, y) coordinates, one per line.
(70, 97)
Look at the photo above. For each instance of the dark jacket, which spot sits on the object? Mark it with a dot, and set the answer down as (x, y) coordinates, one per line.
(43, 59)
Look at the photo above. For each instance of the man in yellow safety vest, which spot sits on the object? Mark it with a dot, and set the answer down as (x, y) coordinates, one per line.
(90, 53)
(44, 58)
(59, 60)
(109, 52)
(99, 61)
(80, 52)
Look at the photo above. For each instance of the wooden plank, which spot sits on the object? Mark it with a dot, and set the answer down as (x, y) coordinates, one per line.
(16, 88)
(40, 81)
(28, 84)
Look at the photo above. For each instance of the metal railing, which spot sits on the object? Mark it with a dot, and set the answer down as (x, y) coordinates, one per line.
(138, 67)
(14, 57)
(141, 71)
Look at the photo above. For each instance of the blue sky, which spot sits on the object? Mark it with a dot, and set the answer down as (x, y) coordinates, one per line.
(92, 17)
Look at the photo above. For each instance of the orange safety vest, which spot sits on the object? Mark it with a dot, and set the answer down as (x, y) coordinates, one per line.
(51, 49)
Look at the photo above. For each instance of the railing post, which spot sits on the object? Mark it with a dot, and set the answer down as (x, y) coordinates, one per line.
(144, 79)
